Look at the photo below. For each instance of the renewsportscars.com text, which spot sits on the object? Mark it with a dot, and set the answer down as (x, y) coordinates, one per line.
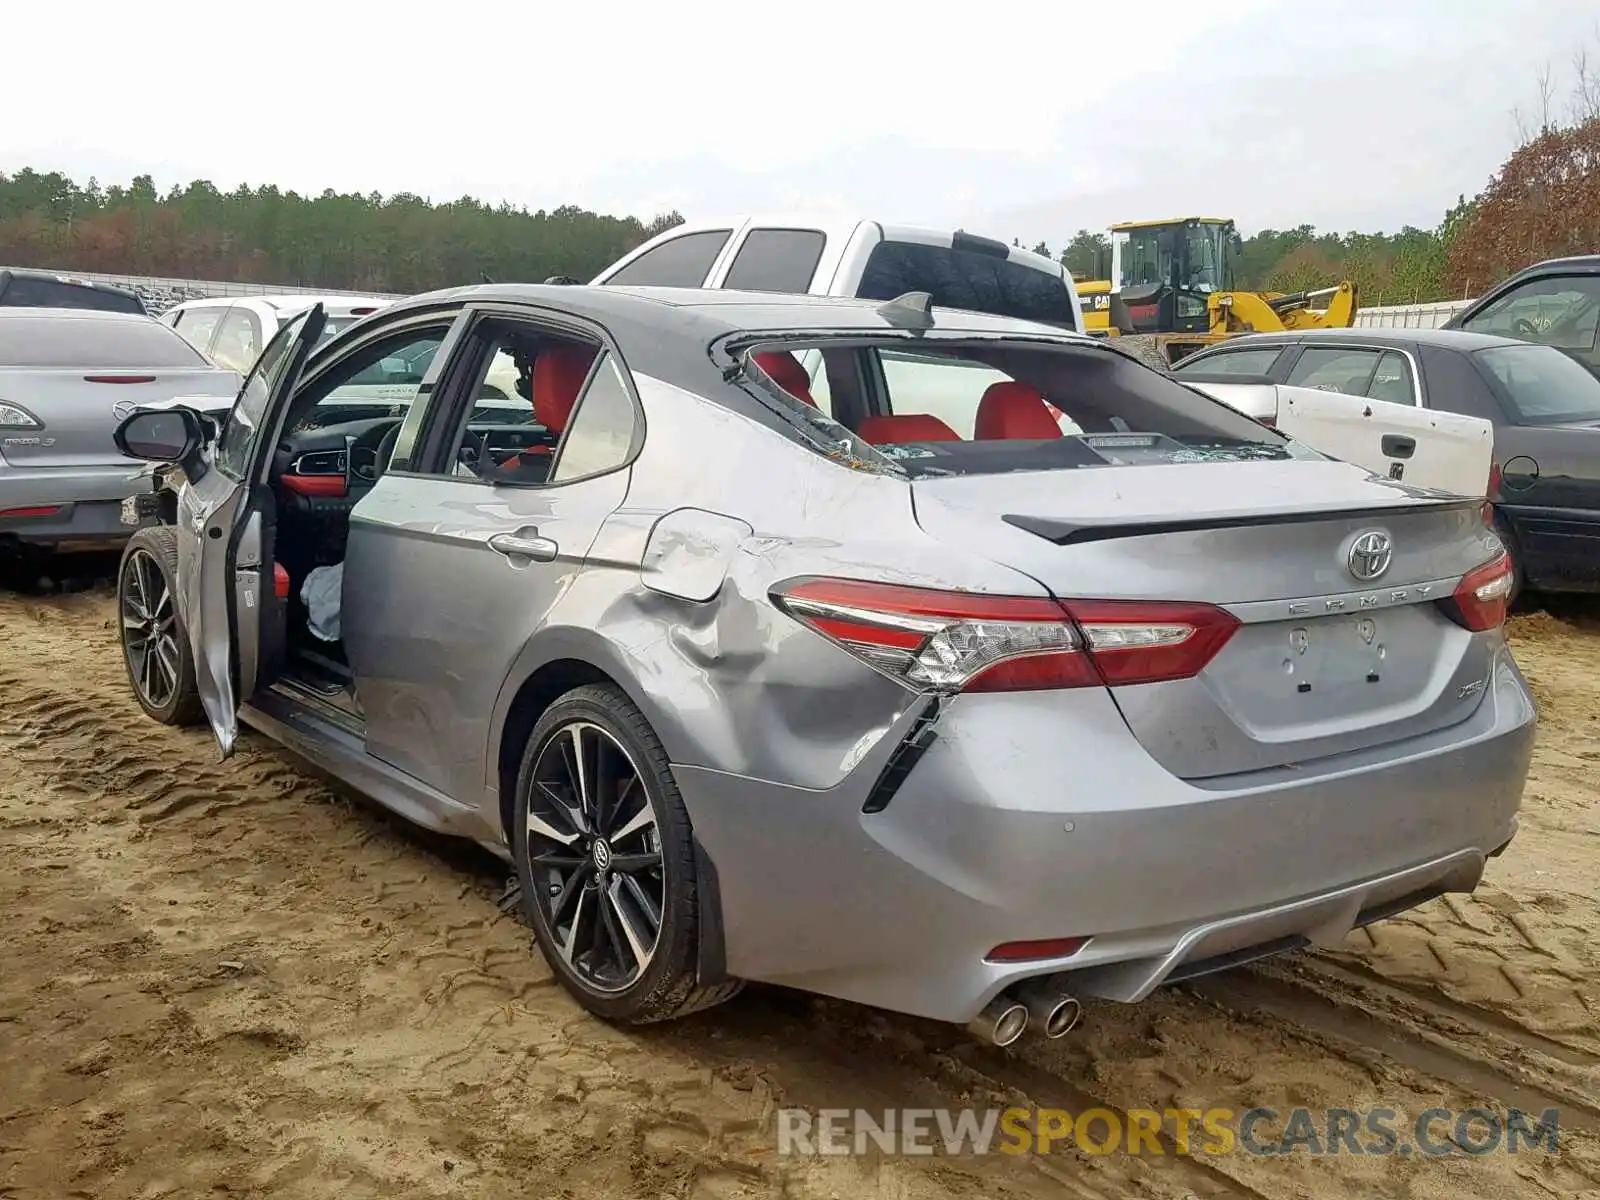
(1433, 1132)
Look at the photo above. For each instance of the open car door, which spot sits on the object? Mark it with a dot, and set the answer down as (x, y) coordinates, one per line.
(226, 517)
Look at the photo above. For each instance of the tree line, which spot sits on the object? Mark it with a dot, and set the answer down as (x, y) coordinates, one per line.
(399, 244)
(1542, 203)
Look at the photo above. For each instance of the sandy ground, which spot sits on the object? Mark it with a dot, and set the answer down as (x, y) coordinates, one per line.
(233, 980)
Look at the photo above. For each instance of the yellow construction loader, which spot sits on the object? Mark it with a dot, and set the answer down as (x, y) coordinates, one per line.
(1170, 286)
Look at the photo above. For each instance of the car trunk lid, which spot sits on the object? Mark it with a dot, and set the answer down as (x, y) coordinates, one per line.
(74, 411)
(1324, 661)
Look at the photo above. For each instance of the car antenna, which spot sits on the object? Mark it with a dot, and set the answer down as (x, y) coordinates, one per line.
(913, 311)
(563, 280)
(484, 275)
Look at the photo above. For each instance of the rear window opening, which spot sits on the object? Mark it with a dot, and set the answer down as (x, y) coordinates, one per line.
(41, 341)
(969, 280)
(977, 408)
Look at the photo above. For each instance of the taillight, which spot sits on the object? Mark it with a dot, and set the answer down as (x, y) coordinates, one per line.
(119, 378)
(14, 416)
(971, 642)
(1493, 488)
(1483, 595)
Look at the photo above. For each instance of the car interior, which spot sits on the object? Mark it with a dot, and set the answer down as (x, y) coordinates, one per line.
(340, 437)
(1010, 409)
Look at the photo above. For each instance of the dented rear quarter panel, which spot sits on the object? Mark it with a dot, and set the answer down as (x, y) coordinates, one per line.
(674, 605)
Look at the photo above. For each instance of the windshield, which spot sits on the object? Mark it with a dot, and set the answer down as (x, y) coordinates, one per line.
(31, 291)
(1145, 260)
(76, 342)
(1204, 243)
(1542, 385)
(981, 408)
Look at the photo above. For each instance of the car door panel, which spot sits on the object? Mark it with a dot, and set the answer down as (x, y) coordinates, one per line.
(225, 525)
(1400, 441)
(447, 579)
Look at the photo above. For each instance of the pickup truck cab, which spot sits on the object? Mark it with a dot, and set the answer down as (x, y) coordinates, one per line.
(832, 256)
(810, 254)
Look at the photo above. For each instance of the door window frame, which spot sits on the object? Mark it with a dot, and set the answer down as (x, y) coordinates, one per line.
(455, 394)
(319, 366)
(1286, 367)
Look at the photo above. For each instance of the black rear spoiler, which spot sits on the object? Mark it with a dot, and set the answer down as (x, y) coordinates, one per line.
(1074, 533)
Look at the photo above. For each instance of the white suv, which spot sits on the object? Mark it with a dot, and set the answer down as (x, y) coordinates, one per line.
(233, 330)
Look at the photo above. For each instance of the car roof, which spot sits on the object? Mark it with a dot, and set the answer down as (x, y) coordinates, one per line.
(1575, 262)
(721, 311)
(1450, 339)
(31, 312)
(292, 300)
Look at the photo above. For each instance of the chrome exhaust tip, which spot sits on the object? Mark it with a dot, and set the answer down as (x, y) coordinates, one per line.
(1056, 1014)
(1002, 1021)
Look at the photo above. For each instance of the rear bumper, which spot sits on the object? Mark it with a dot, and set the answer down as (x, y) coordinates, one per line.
(1038, 816)
(66, 505)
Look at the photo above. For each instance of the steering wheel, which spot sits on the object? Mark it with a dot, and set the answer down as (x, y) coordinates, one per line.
(1524, 328)
(386, 451)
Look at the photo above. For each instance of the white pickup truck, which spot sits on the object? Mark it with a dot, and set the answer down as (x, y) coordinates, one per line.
(1423, 447)
(811, 254)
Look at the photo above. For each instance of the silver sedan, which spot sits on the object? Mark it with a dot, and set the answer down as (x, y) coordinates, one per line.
(976, 669)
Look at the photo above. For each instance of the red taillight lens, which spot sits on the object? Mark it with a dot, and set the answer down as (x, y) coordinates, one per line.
(119, 378)
(280, 581)
(1135, 641)
(1494, 481)
(1483, 595)
(970, 642)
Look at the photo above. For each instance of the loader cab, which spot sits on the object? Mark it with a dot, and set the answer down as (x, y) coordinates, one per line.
(1163, 273)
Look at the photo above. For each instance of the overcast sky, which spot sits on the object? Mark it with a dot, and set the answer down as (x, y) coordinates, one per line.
(1023, 120)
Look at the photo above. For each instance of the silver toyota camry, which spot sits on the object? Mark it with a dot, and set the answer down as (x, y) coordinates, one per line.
(924, 658)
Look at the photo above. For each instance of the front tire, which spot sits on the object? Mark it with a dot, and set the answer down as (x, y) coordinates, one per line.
(155, 647)
(605, 856)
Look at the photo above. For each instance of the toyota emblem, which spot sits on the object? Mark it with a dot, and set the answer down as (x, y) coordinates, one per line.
(123, 409)
(1370, 555)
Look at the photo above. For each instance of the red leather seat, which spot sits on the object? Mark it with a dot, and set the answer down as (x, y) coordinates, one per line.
(558, 375)
(1014, 410)
(906, 427)
(787, 373)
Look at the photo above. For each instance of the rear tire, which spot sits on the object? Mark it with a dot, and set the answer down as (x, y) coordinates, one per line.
(605, 856)
(155, 646)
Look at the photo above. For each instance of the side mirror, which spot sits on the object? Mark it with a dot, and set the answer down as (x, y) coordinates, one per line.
(171, 435)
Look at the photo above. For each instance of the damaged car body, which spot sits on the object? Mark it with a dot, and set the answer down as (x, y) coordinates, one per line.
(1003, 671)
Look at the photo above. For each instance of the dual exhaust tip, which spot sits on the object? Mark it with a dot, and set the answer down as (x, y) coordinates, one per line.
(1010, 1014)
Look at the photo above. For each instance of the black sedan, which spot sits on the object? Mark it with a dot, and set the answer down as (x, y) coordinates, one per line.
(1545, 407)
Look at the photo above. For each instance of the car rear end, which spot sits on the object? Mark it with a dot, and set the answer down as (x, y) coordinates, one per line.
(67, 379)
(1241, 698)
